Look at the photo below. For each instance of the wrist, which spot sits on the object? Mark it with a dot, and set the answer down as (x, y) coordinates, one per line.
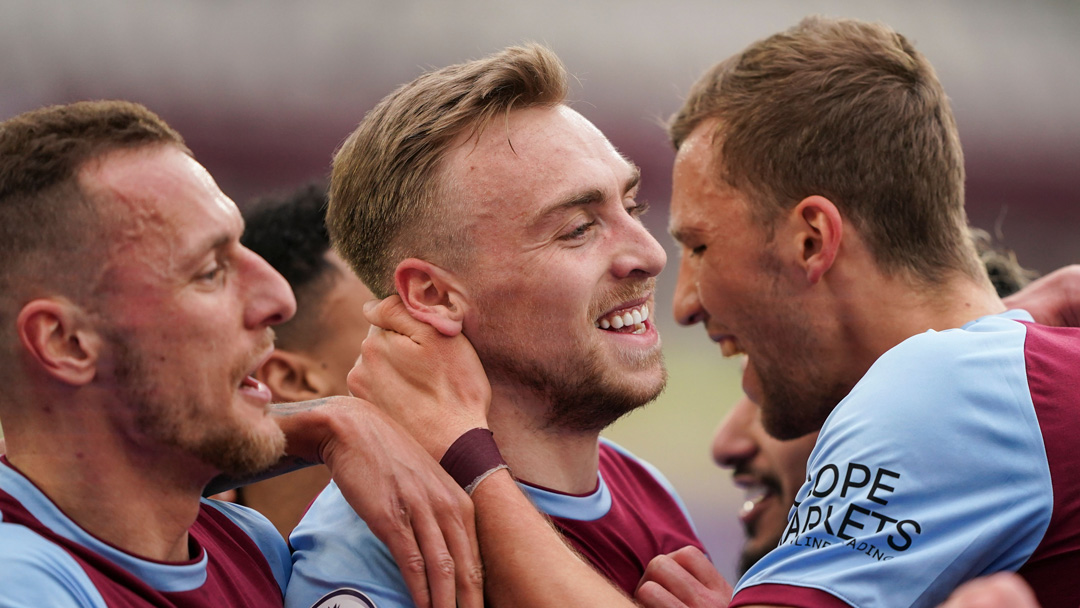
(472, 457)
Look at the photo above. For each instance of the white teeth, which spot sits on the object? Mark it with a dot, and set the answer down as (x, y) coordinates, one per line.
(635, 318)
(747, 507)
(754, 495)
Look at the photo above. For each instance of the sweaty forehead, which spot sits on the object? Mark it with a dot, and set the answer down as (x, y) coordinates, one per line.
(158, 184)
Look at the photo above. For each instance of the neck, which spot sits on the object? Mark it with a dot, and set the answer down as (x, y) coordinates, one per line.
(553, 458)
(132, 498)
(889, 310)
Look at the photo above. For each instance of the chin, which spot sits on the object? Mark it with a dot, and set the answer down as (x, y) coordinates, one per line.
(243, 452)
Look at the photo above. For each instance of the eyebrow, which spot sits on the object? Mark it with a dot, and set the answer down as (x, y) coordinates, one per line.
(219, 242)
(215, 243)
(588, 197)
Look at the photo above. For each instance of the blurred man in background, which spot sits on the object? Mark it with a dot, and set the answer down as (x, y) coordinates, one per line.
(316, 348)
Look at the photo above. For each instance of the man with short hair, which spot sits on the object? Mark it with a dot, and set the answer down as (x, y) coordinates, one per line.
(498, 213)
(827, 272)
(818, 202)
(131, 320)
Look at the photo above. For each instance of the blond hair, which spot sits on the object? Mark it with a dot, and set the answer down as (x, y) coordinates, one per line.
(388, 197)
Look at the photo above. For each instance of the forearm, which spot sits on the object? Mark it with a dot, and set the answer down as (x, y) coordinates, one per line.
(526, 562)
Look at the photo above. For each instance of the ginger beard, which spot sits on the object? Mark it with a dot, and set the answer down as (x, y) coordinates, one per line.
(584, 390)
(219, 438)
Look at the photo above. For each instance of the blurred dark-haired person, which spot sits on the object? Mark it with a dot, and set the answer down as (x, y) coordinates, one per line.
(131, 321)
(316, 348)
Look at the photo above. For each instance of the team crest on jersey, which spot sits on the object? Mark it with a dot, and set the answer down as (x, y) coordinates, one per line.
(344, 598)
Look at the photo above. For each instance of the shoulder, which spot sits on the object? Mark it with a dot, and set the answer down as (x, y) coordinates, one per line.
(336, 558)
(37, 572)
(263, 533)
(976, 372)
(934, 463)
(630, 476)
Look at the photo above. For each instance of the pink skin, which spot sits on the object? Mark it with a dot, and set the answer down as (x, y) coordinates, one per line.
(189, 308)
(556, 218)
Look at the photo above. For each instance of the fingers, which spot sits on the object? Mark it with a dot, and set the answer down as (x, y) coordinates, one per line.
(405, 549)
(688, 577)
(390, 314)
(438, 564)
(651, 595)
(441, 563)
(465, 549)
(448, 541)
(698, 565)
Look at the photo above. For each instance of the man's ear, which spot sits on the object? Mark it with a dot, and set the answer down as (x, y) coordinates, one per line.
(290, 377)
(431, 294)
(57, 335)
(819, 229)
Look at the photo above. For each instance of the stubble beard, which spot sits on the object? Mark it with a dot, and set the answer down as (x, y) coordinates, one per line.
(799, 387)
(223, 442)
(583, 397)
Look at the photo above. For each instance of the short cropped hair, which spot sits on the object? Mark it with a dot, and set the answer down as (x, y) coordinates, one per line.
(289, 232)
(49, 226)
(850, 111)
(387, 192)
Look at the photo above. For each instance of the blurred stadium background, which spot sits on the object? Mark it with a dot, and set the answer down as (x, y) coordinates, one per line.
(264, 90)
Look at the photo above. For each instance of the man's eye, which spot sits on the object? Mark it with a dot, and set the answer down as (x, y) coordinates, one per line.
(698, 251)
(217, 273)
(578, 232)
(638, 208)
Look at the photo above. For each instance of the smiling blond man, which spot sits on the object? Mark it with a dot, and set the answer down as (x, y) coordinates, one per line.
(499, 213)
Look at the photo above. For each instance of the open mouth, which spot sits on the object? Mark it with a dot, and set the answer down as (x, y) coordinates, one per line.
(626, 320)
(255, 388)
(755, 495)
(252, 386)
(762, 494)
